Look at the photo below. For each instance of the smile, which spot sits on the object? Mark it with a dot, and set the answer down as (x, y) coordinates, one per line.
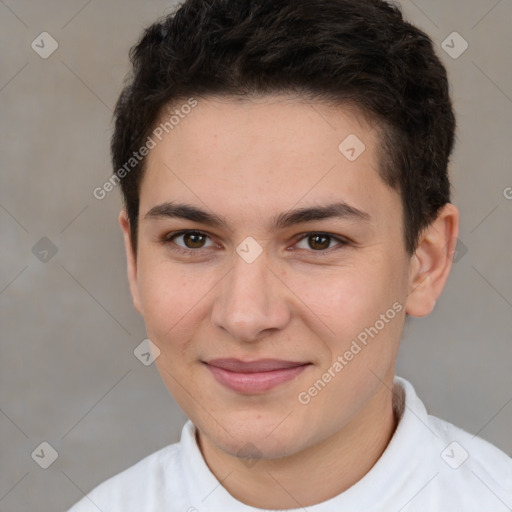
(254, 377)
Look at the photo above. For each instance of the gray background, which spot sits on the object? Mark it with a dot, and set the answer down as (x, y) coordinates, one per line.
(68, 373)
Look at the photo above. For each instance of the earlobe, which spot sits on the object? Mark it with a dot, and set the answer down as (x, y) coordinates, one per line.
(432, 262)
(131, 261)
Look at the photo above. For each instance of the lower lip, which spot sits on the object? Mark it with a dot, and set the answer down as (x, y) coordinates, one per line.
(253, 383)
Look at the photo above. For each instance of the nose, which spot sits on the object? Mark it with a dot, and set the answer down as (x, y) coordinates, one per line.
(252, 301)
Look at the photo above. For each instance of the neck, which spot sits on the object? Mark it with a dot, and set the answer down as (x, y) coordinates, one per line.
(306, 478)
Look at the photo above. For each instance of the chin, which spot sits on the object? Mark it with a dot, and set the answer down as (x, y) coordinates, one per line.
(248, 447)
(256, 437)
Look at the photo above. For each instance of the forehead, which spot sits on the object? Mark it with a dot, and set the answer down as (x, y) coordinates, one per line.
(257, 158)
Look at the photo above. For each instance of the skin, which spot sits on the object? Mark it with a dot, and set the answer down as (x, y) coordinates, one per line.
(248, 161)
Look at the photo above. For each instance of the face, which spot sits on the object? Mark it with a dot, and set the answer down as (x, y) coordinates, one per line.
(275, 329)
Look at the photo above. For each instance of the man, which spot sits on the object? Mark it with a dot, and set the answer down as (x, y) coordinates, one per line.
(287, 206)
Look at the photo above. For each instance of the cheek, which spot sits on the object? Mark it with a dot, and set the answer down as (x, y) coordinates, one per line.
(175, 299)
(350, 301)
(166, 296)
(365, 316)
(344, 296)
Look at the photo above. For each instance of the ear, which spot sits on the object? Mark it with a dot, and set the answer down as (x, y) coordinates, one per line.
(131, 260)
(432, 262)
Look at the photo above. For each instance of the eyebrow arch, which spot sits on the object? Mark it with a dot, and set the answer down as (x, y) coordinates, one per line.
(338, 210)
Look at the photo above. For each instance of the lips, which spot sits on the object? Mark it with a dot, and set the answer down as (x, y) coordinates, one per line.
(261, 365)
(254, 377)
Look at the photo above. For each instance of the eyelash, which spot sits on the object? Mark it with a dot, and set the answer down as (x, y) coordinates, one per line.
(168, 241)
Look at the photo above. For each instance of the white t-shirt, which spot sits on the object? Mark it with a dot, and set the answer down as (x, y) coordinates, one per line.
(429, 465)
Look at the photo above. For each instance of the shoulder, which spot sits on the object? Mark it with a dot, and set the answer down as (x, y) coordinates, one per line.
(461, 471)
(471, 473)
(467, 453)
(141, 487)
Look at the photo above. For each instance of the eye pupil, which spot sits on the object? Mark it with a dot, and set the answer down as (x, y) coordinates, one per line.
(193, 237)
(323, 245)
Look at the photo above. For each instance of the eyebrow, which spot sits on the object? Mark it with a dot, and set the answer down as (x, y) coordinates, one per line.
(338, 210)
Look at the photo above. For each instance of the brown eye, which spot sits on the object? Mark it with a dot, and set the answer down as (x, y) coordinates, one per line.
(320, 242)
(194, 240)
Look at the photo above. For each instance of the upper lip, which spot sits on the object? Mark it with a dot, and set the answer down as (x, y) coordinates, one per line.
(259, 365)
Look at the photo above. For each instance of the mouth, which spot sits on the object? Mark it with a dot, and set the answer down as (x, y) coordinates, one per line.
(254, 377)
